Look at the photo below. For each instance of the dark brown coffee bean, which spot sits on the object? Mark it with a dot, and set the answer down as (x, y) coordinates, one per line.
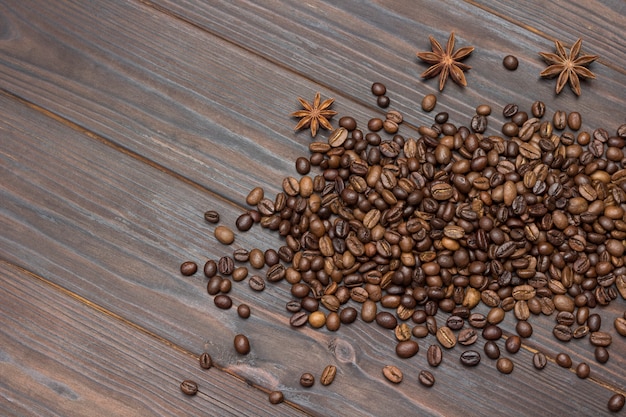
(426, 378)
(434, 355)
(307, 380)
(470, 358)
(491, 349)
(563, 360)
(328, 375)
(386, 320)
(225, 265)
(492, 332)
(242, 344)
(379, 89)
(616, 403)
(210, 268)
(510, 62)
(224, 235)
(407, 349)
(243, 311)
(299, 319)
(205, 361)
(212, 216)
(513, 344)
(594, 321)
(562, 332)
(276, 397)
(601, 354)
(504, 365)
(188, 268)
(539, 360)
(467, 337)
(603, 339)
(189, 387)
(583, 370)
(393, 374)
(256, 283)
(524, 329)
(244, 222)
(223, 301)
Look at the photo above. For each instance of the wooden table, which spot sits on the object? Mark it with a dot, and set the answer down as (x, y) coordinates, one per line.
(122, 122)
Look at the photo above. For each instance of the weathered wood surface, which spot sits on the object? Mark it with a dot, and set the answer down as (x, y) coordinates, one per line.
(123, 121)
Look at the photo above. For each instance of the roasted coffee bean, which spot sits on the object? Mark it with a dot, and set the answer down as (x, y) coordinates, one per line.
(601, 354)
(510, 62)
(243, 311)
(224, 235)
(426, 378)
(276, 397)
(492, 332)
(188, 268)
(563, 360)
(299, 319)
(407, 349)
(467, 337)
(205, 361)
(317, 319)
(244, 222)
(470, 358)
(393, 374)
(620, 325)
(434, 355)
(594, 322)
(504, 365)
(524, 329)
(242, 344)
(225, 265)
(446, 337)
(583, 370)
(257, 283)
(379, 89)
(539, 360)
(307, 380)
(491, 349)
(223, 301)
(189, 387)
(602, 339)
(328, 375)
(616, 403)
(513, 344)
(429, 102)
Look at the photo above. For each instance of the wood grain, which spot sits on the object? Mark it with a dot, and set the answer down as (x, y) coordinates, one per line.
(124, 121)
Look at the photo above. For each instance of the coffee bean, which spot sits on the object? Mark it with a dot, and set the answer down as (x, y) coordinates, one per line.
(491, 349)
(243, 311)
(386, 320)
(379, 89)
(225, 265)
(620, 325)
(470, 358)
(510, 62)
(276, 397)
(224, 235)
(255, 196)
(393, 374)
(429, 102)
(616, 402)
(242, 344)
(299, 319)
(583, 370)
(539, 360)
(210, 268)
(513, 344)
(407, 349)
(328, 375)
(189, 387)
(223, 301)
(601, 354)
(492, 332)
(244, 222)
(446, 337)
(505, 365)
(426, 378)
(257, 283)
(524, 329)
(602, 339)
(383, 101)
(563, 360)
(434, 355)
(188, 268)
(594, 322)
(205, 361)
(212, 216)
(562, 332)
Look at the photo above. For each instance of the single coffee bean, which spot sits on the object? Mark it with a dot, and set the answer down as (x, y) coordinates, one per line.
(594, 322)
(386, 320)
(491, 349)
(620, 325)
(299, 319)
(224, 235)
(616, 403)
(226, 265)
(510, 62)
(212, 216)
(243, 311)
(407, 349)
(583, 370)
(317, 319)
(429, 102)
(276, 397)
(188, 268)
(426, 378)
(379, 89)
(223, 301)
(242, 344)
(434, 355)
(563, 360)
(393, 374)
(328, 375)
(504, 365)
(307, 380)
(601, 354)
(244, 222)
(446, 337)
(513, 344)
(492, 332)
(524, 329)
(255, 196)
(539, 360)
(470, 358)
(189, 387)
(210, 268)
(562, 332)
(383, 101)
(257, 283)
(348, 315)
(239, 274)
(205, 361)
(603, 339)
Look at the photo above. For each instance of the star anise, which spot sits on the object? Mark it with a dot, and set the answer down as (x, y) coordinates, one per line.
(568, 67)
(314, 115)
(446, 62)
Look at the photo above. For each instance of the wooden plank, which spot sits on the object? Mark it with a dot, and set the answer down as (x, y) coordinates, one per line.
(599, 23)
(121, 246)
(61, 356)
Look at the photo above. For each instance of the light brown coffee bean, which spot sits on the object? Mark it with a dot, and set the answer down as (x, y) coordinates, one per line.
(393, 374)
(328, 375)
(446, 337)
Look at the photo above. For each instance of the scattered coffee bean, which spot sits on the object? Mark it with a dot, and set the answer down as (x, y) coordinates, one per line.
(205, 361)
(510, 62)
(393, 374)
(539, 360)
(470, 358)
(426, 378)
(379, 89)
(328, 375)
(242, 344)
(616, 403)
(189, 387)
(429, 102)
(583, 370)
(513, 344)
(243, 310)
(491, 349)
(276, 397)
(434, 355)
(307, 380)
(223, 301)
(224, 235)
(504, 365)
(564, 360)
(620, 325)
(407, 349)
(188, 268)
(212, 216)
(601, 354)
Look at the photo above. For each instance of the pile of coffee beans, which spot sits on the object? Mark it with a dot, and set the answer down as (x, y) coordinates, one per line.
(531, 221)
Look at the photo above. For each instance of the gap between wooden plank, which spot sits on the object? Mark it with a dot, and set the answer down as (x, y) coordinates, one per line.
(135, 326)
